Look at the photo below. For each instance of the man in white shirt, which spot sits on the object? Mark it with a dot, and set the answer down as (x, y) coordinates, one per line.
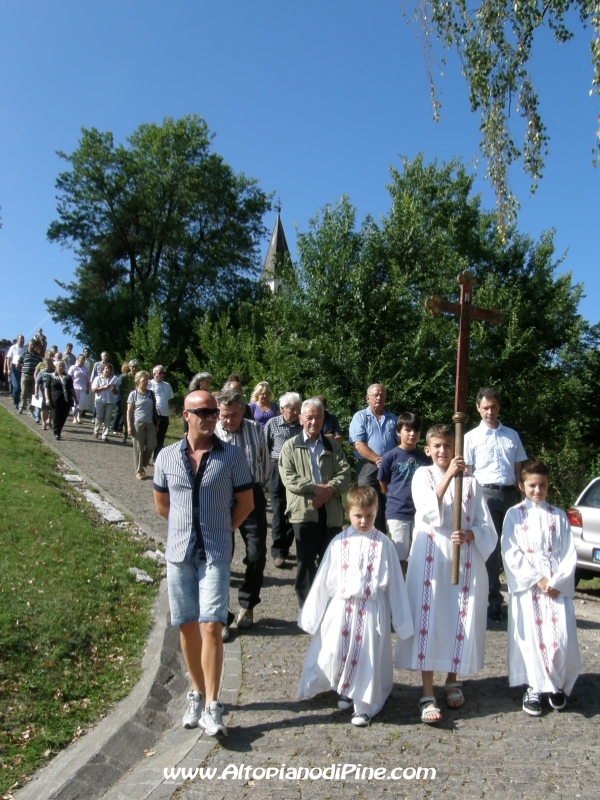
(13, 369)
(163, 393)
(495, 455)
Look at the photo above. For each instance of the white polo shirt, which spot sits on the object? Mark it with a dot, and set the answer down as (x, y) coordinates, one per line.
(163, 393)
(494, 453)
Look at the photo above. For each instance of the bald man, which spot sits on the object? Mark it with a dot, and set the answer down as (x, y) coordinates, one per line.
(203, 487)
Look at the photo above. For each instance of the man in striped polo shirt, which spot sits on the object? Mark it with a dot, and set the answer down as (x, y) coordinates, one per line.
(28, 362)
(248, 436)
(203, 488)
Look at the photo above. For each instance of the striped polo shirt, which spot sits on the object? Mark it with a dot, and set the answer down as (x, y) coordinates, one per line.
(200, 506)
(28, 362)
(249, 438)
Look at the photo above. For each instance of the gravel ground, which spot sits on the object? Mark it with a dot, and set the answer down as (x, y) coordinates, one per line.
(488, 749)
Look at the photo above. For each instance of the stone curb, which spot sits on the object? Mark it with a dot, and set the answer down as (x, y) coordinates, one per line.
(126, 753)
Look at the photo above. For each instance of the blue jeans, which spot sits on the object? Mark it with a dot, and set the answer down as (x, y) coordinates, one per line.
(198, 591)
(15, 380)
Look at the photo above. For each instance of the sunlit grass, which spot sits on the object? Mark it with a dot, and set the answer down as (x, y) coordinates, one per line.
(73, 622)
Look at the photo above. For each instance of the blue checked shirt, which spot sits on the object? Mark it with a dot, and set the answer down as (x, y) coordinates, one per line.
(200, 505)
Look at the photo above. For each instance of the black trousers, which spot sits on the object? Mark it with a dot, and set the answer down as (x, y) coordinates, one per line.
(163, 426)
(282, 533)
(312, 540)
(366, 475)
(499, 501)
(60, 413)
(254, 534)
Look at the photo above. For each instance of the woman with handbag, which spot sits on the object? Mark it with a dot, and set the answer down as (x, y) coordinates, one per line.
(142, 419)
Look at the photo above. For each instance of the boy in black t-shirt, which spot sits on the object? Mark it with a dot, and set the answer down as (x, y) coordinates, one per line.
(395, 477)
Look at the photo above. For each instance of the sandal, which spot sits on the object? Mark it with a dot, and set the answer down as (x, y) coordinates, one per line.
(454, 696)
(430, 713)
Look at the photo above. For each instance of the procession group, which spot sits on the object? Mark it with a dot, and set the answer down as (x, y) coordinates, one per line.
(350, 582)
(390, 568)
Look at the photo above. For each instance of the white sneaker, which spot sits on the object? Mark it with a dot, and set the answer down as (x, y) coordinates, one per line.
(194, 709)
(344, 702)
(212, 719)
(360, 720)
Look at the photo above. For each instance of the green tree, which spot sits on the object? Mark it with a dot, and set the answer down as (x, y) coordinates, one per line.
(160, 220)
(353, 313)
(494, 40)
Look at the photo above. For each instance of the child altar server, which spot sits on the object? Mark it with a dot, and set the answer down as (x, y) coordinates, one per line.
(358, 591)
(539, 562)
(449, 621)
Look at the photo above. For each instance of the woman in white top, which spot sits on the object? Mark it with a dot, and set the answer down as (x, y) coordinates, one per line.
(105, 389)
(81, 384)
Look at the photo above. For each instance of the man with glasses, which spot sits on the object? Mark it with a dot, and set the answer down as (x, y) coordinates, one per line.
(203, 488)
(163, 393)
(276, 432)
(248, 436)
(373, 433)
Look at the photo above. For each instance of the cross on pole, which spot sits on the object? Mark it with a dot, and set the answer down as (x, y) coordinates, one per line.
(465, 312)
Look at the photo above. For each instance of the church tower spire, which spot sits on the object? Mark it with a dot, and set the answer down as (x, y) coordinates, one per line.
(277, 254)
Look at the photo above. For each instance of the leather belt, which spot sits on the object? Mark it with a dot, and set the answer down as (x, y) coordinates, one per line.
(499, 487)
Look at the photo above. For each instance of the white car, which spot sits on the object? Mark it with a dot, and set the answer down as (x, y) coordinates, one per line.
(584, 517)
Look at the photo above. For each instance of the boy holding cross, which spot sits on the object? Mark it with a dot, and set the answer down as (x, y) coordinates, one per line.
(449, 621)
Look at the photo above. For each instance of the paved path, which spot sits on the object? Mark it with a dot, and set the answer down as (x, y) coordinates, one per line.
(489, 749)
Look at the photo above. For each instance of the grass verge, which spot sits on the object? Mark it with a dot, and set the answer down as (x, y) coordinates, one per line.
(73, 622)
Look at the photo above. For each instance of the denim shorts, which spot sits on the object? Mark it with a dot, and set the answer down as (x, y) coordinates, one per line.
(198, 591)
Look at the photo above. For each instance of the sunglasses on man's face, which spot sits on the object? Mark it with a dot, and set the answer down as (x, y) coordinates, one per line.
(203, 413)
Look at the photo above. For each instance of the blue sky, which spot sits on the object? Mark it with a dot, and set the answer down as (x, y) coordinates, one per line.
(314, 99)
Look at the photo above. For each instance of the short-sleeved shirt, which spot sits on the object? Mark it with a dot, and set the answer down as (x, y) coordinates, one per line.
(378, 434)
(106, 395)
(397, 469)
(200, 506)
(80, 377)
(277, 432)
(163, 393)
(143, 405)
(262, 417)
(331, 425)
(29, 361)
(493, 454)
(14, 352)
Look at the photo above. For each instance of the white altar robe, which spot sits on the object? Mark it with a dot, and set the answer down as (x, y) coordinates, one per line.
(449, 621)
(358, 587)
(542, 633)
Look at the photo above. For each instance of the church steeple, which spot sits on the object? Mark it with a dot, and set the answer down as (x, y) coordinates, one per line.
(277, 253)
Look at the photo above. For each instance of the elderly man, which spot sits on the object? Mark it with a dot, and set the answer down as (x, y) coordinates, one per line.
(276, 432)
(495, 455)
(203, 487)
(163, 393)
(373, 433)
(315, 473)
(248, 436)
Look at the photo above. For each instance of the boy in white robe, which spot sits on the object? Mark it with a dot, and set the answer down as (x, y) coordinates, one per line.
(539, 562)
(358, 588)
(449, 621)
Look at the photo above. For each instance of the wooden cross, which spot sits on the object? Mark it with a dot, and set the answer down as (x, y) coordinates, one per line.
(465, 312)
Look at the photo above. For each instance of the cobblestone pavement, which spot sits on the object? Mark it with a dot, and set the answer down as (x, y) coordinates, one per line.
(488, 749)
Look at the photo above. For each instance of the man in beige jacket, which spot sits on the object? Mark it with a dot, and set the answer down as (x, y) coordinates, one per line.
(316, 474)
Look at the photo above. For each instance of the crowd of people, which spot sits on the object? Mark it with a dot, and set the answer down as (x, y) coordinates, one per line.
(389, 567)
